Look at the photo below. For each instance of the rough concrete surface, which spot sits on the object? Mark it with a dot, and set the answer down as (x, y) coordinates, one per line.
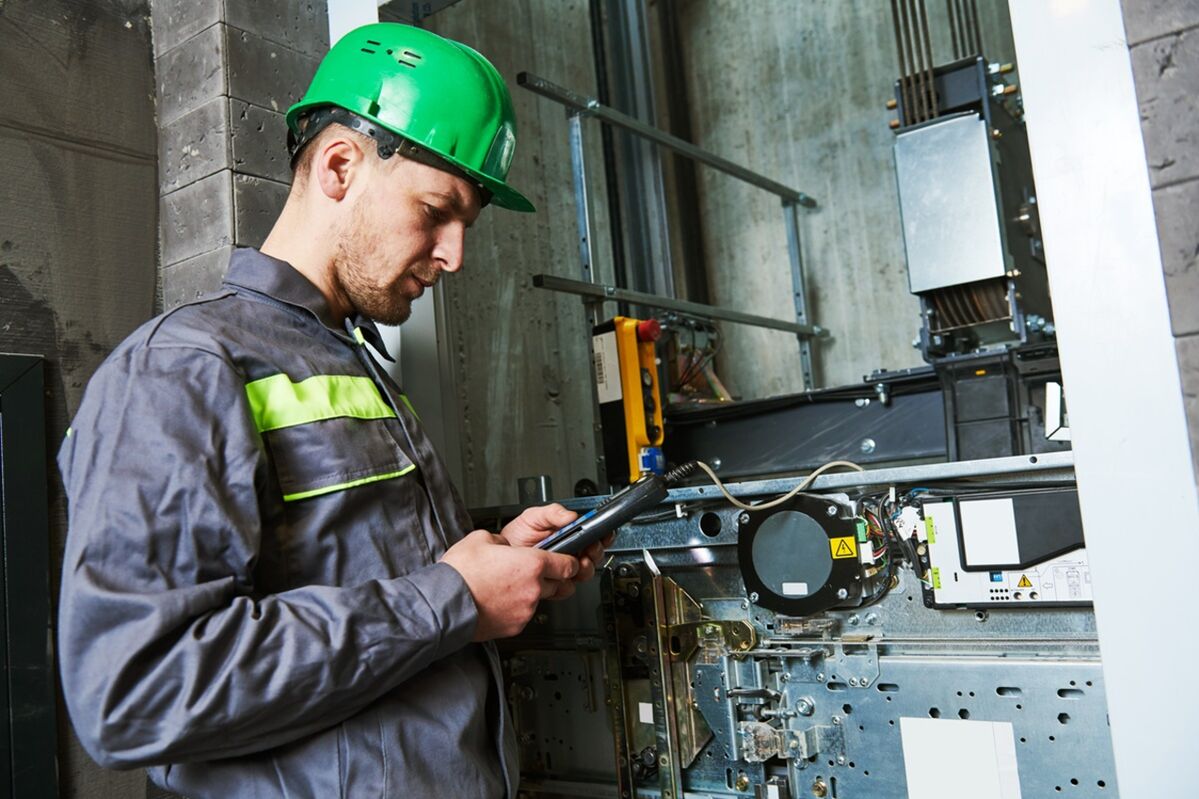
(77, 232)
(256, 205)
(176, 21)
(1178, 232)
(197, 218)
(521, 355)
(796, 91)
(194, 277)
(1187, 348)
(265, 73)
(194, 146)
(1148, 19)
(258, 138)
(1166, 73)
(191, 74)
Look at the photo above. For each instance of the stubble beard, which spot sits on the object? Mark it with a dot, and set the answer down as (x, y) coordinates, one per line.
(356, 249)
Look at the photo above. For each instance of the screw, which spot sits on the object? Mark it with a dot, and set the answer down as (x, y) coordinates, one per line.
(819, 788)
(753, 596)
(836, 720)
(872, 618)
(664, 760)
(744, 604)
(831, 510)
(867, 446)
(842, 593)
(743, 518)
(853, 681)
(805, 706)
(854, 620)
(716, 462)
(820, 677)
(840, 760)
(742, 782)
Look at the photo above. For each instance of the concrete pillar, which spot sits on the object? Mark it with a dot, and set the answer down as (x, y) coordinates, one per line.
(1163, 37)
(227, 71)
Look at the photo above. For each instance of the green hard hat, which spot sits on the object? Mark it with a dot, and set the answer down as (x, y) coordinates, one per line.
(432, 92)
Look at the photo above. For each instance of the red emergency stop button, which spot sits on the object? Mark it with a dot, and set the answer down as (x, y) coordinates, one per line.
(649, 330)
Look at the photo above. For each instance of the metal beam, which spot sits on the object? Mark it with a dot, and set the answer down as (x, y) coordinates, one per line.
(593, 108)
(600, 292)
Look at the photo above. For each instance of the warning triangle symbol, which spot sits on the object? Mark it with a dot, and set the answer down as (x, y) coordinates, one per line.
(1024, 582)
(843, 550)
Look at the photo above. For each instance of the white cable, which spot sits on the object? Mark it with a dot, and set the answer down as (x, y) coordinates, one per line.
(780, 500)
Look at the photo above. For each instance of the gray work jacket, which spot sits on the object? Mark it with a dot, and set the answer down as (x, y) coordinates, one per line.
(251, 602)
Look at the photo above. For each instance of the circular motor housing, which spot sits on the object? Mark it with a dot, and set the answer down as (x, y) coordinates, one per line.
(796, 557)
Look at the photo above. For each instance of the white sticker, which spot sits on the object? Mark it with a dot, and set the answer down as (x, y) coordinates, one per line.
(772, 792)
(949, 759)
(645, 711)
(795, 589)
(607, 367)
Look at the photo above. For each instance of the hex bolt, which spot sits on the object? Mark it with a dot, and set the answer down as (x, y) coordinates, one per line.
(805, 706)
(753, 596)
(831, 510)
(842, 593)
(854, 620)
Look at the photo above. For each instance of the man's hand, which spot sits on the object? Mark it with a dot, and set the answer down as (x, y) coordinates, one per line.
(507, 582)
(536, 523)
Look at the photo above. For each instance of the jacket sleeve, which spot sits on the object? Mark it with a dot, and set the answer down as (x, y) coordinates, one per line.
(167, 653)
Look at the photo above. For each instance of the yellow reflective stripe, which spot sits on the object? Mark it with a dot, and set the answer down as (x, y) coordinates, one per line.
(276, 402)
(316, 492)
(408, 404)
(361, 339)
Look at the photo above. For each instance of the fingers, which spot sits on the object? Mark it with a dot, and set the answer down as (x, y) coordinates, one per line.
(556, 566)
(548, 517)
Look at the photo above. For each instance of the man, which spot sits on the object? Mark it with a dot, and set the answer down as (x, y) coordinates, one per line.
(270, 588)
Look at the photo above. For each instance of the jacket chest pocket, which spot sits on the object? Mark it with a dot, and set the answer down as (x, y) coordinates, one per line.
(327, 433)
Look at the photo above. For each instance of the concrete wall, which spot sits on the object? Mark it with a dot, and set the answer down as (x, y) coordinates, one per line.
(796, 91)
(78, 205)
(227, 70)
(521, 355)
(1163, 37)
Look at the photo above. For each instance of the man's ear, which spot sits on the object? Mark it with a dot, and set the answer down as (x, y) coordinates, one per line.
(335, 165)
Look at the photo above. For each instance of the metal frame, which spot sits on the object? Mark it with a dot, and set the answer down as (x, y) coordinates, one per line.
(579, 107)
(28, 732)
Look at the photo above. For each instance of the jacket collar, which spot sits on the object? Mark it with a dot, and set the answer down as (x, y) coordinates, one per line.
(253, 270)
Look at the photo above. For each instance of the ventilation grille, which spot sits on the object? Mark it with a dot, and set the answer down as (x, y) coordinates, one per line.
(968, 305)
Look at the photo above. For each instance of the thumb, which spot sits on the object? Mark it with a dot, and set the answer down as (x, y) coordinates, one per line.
(559, 566)
(549, 516)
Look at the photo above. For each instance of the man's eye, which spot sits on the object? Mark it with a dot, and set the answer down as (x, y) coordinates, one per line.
(434, 213)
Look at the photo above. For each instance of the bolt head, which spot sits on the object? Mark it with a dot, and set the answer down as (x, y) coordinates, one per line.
(743, 518)
(716, 464)
(854, 620)
(820, 677)
(836, 720)
(867, 446)
(853, 681)
(840, 760)
(842, 593)
(753, 596)
(831, 510)
(872, 618)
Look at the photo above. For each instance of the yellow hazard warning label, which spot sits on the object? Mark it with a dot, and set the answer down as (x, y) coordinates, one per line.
(1024, 582)
(846, 547)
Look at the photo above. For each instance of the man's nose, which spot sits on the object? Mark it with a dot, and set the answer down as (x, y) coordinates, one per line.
(450, 249)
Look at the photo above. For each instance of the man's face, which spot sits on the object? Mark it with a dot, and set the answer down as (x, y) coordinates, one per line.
(405, 228)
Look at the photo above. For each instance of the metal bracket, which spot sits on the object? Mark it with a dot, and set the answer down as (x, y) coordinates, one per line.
(761, 741)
